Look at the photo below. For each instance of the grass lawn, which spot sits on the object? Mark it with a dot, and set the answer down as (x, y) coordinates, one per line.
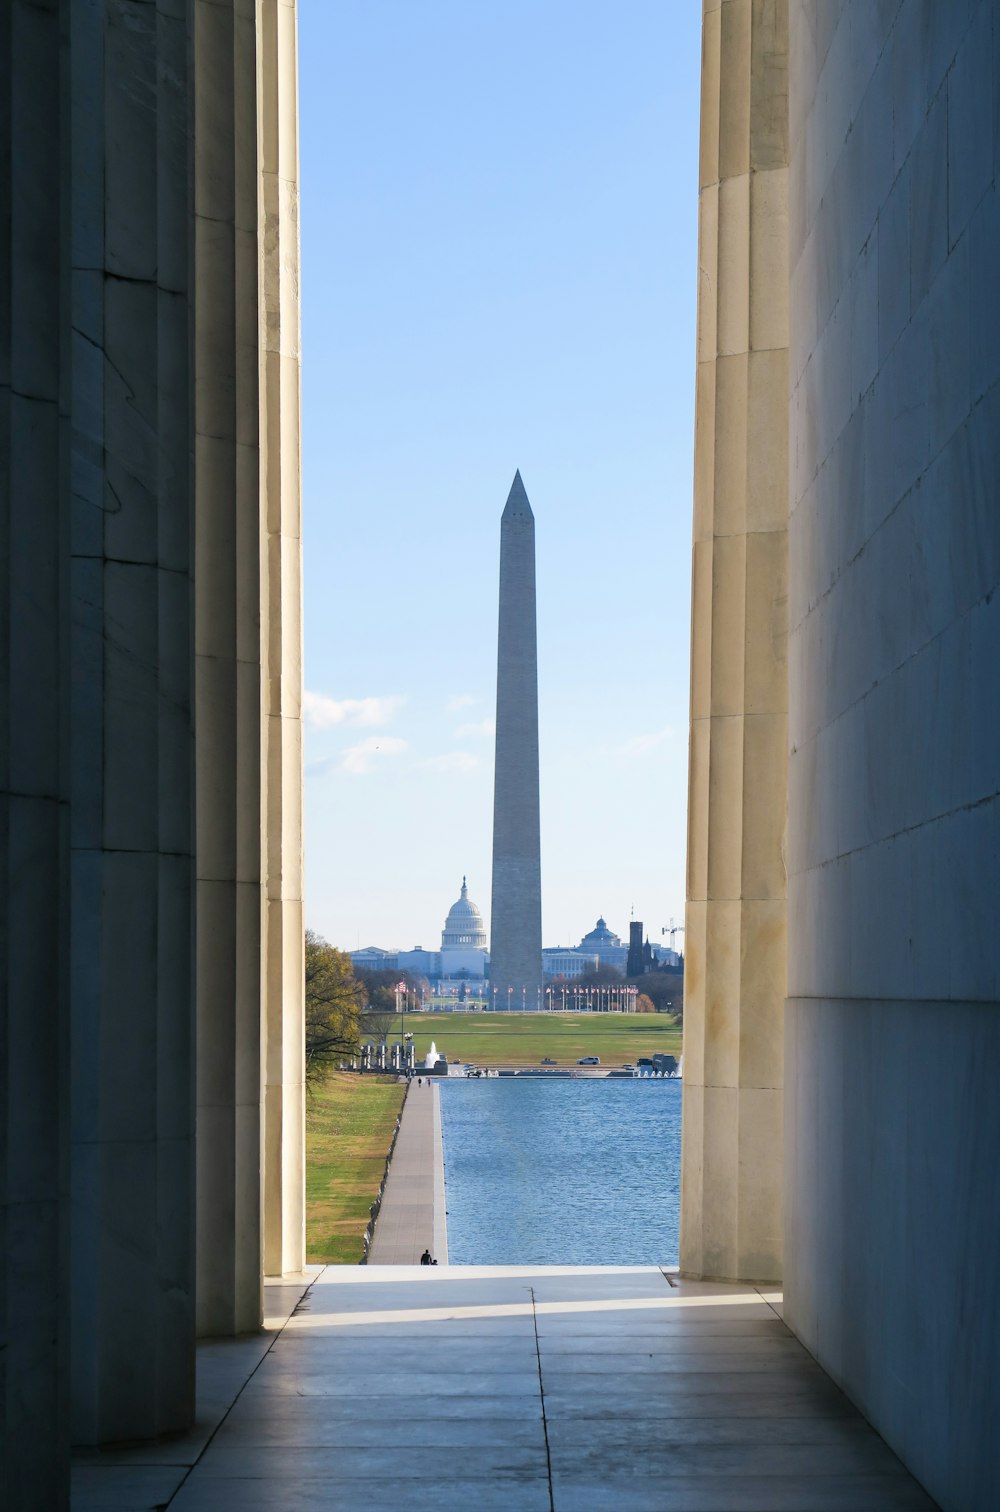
(498, 1039)
(349, 1124)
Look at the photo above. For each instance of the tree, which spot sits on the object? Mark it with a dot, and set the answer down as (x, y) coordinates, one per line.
(644, 1004)
(333, 1005)
(378, 990)
(378, 1023)
(665, 988)
(601, 976)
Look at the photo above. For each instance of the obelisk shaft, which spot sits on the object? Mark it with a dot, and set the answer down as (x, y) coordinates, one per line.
(516, 945)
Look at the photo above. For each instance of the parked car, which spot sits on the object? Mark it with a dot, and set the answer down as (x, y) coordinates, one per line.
(589, 1060)
(548, 1061)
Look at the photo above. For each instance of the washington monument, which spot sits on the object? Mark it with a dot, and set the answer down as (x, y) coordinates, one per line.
(516, 946)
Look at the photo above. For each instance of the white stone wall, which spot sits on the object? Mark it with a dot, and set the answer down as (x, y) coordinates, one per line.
(893, 1024)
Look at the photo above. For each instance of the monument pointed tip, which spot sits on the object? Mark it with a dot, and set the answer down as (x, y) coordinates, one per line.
(517, 500)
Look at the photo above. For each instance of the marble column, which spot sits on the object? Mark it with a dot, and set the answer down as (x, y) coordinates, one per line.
(516, 919)
(228, 681)
(151, 646)
(731, 1223)
(281, 632)
(131, 790)
(34, 702)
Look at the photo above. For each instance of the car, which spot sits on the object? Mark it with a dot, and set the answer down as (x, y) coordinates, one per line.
(589, 1060)
(628, 1067)
(548, 1061)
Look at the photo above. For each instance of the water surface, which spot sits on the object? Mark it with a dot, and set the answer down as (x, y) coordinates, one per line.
(542, 1172)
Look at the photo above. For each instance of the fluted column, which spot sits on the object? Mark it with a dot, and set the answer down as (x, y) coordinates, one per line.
(281, 610)
(731, 1222)
(228, 669)
(132, 813)
(34, 701)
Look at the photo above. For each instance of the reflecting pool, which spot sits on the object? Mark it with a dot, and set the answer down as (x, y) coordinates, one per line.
(574, 1172)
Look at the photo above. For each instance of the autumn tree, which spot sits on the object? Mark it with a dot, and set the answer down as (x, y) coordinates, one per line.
(333, 1005)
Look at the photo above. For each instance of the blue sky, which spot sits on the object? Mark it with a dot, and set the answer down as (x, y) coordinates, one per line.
(499, 226)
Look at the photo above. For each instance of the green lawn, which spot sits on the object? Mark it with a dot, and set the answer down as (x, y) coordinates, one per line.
(497, 1039)
(349, 1124)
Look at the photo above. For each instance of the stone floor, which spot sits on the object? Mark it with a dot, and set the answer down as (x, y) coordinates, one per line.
(561, 1390)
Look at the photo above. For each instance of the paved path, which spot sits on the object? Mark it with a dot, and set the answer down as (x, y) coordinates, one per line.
(526, 1389)
(412, 1217)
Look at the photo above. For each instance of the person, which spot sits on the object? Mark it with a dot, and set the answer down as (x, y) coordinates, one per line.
(425, 1258)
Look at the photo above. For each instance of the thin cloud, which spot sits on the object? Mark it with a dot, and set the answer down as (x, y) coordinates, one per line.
(484, 730)
(640, 745)
(460, 701)
(321, 767)
(359, 759)
(323, 713)
(452, 761)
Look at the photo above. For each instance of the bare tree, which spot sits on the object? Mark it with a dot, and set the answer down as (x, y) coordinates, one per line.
(333, 1005)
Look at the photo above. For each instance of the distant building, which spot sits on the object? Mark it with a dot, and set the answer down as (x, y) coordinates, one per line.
(559, 962)
(463, 940)
(371, 958)
(665, 958)
(606, 945)
(421, 962)
(463, 955)
(640, 952)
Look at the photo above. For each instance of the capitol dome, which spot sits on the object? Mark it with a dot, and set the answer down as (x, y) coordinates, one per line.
(600, 936)
(463, 928)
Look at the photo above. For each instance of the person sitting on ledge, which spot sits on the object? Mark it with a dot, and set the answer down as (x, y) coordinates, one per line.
(425, 1258)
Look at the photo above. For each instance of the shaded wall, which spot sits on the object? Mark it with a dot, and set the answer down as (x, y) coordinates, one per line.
(34, 812)
(129, 738)
(892, 1024)
(150, 672)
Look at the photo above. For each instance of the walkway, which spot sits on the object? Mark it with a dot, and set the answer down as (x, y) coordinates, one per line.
(412, 1216)
(528, 1390)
